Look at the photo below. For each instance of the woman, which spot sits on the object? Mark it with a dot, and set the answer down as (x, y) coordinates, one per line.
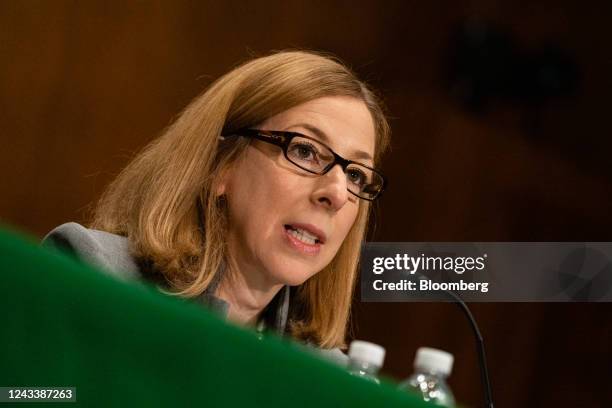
(254, 201)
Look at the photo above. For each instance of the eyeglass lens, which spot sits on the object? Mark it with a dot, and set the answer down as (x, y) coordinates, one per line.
(314, 157)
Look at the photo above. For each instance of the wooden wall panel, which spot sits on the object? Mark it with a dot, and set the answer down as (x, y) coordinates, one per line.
(85, 85)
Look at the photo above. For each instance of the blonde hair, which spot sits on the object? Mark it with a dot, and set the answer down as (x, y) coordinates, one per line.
(164, 201)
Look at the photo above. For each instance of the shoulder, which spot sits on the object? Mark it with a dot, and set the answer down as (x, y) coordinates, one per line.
(99, 248)
(335, 355)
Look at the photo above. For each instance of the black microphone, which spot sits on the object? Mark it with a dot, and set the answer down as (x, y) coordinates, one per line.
(480, 348)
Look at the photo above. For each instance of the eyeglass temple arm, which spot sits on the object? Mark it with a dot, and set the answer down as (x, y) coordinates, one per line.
(278, 140)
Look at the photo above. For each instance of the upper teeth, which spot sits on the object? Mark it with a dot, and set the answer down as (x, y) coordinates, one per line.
(303, 235)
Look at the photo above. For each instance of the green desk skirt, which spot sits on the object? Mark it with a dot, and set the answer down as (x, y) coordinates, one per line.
(65, 324)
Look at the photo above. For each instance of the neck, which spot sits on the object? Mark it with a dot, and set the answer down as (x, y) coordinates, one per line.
(246, 295)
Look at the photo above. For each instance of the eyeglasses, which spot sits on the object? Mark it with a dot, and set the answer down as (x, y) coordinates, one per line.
(315, 157)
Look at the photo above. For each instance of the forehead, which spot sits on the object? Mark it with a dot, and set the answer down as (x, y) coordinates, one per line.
(343, 123)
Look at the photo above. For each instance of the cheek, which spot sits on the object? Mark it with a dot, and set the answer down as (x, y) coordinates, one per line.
(346, 221)
(258, 196)
(243, 195)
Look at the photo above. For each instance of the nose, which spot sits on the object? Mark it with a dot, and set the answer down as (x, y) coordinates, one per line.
(331, 189)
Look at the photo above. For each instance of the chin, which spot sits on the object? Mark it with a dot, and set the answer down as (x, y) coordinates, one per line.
(295, 280)
(293, 275)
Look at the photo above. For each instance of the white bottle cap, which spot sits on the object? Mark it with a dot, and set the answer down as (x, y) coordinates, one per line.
(431, 359)
(367, 352)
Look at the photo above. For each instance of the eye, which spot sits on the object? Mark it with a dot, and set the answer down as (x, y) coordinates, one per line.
(304, 151)
(356, 177)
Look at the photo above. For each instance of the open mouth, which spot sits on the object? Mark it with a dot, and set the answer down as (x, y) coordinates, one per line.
(303, 235)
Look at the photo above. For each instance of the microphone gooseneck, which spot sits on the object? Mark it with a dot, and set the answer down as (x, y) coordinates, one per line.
(480, 348)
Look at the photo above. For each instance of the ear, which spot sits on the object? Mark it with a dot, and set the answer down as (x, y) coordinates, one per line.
(223, 182)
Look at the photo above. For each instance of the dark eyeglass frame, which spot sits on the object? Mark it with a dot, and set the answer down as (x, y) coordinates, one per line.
(283, 140)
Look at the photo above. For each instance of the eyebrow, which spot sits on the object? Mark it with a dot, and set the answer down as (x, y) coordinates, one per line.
(357, 154)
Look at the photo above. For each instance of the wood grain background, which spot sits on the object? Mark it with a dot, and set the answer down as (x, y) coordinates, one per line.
(85, 85)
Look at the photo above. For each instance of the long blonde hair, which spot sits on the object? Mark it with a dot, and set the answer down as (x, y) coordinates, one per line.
(164, 201)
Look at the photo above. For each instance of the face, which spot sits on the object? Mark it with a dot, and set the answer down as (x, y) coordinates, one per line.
(277, 209)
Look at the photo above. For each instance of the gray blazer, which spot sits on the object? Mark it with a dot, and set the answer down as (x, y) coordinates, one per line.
(111, 253)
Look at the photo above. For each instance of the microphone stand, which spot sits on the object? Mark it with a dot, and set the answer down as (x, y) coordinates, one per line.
(480, 348)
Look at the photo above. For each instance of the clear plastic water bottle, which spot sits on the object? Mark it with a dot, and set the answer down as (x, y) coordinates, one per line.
(365, 359)
(431, 368)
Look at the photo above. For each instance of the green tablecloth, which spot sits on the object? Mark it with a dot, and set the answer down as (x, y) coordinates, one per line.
(119, 344)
